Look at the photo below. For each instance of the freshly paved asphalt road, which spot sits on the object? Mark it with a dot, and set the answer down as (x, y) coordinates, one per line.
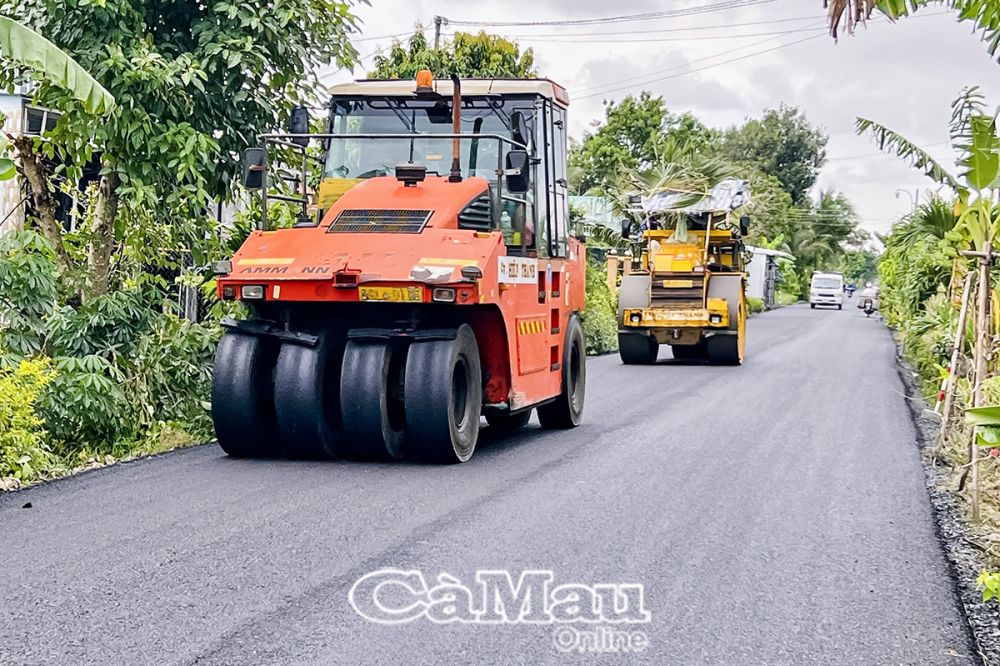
(775, 513)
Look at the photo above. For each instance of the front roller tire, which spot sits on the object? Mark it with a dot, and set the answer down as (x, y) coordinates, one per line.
(566, 411)
(372, 416)
(243, 395)
(443, 397)
(637, 348)
(307, 390)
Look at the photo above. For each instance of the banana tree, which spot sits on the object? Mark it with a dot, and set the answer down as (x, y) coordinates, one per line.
(25, 51)
(849, 13)
(974, 137)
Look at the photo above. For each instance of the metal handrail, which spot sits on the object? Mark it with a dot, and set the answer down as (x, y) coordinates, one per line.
(402, 135)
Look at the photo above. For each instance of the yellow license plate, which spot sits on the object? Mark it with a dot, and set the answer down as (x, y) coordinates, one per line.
(391, 294)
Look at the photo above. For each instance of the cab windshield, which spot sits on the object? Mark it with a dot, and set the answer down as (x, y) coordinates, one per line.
(368, 158)
(826, 283)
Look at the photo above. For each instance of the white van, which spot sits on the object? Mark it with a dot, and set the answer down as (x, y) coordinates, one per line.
(827, 289)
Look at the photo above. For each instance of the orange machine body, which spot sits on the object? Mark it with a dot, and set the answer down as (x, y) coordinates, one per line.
(518, 305)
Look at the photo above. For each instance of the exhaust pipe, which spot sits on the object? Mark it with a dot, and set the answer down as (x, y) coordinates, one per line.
(456, 128)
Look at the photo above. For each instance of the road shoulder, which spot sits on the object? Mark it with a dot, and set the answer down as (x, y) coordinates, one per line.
(965, 561)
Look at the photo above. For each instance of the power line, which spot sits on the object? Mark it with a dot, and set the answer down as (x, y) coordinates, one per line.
(675, 67)
(582, 38)
(799, 19)
(724, 5)
(701, 69)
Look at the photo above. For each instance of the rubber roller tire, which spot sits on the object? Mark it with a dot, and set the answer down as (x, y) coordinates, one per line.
(307, 404)
(566, 411)
(372, 419)
(243, 395)
(443, 396)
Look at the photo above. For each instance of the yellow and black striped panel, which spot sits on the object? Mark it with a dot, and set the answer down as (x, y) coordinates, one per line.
(530, 327)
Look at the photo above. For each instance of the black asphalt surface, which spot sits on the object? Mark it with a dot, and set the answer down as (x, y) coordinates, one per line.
(774, 513)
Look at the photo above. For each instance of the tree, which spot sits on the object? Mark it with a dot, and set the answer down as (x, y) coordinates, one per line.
(633, 137)
(783, 144)
(817, 236)
(33, 55)
(859, 266)
(196, 82)
(468, 55)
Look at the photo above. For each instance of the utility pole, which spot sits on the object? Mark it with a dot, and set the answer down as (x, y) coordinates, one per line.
(914, 196)
(438, 22)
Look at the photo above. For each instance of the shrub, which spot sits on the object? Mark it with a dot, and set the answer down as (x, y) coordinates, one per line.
(600, 325)
(23, 453)
(170, 375)
(85, 406)
(989, 583)
(755, 304)
(27, 294)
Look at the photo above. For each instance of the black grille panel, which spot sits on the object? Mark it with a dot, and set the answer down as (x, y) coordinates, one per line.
(380, 221)
(677, 296)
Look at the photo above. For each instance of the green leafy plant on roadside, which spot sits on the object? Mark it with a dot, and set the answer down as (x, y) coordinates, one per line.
(755, 304)
(989, 583)
(27, 294)
(23, 452)
(599, 318)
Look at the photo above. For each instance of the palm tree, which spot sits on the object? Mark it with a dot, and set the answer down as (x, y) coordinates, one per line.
(931, 219)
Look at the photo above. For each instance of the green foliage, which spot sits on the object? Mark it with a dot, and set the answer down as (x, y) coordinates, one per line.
(817, 237)
(911, 269)
(23, 453)
(468, 55)
(170, 375)
(755, 304)
(989, 582)
(678, 169)
(859, 266)
(86, 404)
(926, 338)
(27, 293)
(634, 136)
(196, 83)
(782, 144)
(600, 325)
(125, 372)
(106, 326)
(891, 141)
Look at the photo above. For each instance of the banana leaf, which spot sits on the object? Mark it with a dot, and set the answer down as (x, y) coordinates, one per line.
(24, 46)
(987, 422)
(988, 415)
